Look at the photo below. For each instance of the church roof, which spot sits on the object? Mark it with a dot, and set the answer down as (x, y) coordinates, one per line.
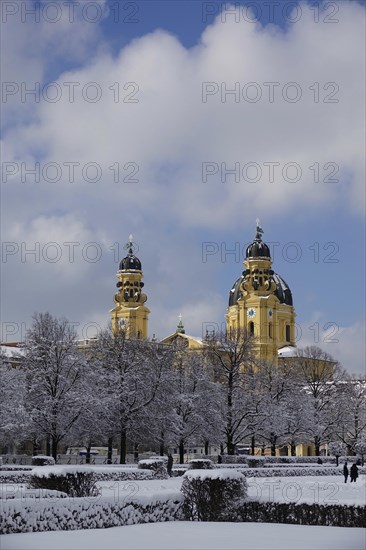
(282, 291)
(130, 263)
(287, 351)
(175, 335)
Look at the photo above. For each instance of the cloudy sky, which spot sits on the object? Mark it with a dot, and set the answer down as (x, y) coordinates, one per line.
(181, 123)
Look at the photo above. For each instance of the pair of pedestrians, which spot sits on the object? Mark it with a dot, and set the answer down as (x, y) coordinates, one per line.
(353, 471)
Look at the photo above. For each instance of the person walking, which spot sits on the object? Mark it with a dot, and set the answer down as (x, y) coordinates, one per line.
(170, 464)
(354, 472)
(345, 472)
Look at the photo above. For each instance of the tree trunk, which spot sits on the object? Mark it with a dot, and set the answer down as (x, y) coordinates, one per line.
(222, 450)
(293, 448)
(230, 447)
(54, 443)
(123, 451)
(35, 447)
(136, 452)
(229, 417)
(253, 445)
(87, 458)
(206, 447)
(110, 450)
(181, 451)
(162, 444)
(317, 446)
(337, 460)
(48, 447)
(273, 445)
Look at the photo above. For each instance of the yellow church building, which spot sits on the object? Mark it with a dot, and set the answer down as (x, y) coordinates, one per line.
(260, 302)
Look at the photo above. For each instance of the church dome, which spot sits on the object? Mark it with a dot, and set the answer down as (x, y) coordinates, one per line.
(258, 249)
(282, 291)
(235, 292)
(130, 262)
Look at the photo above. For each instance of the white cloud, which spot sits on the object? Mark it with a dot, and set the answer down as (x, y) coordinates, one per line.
(168, 134)
(33, 44)
(170, 127)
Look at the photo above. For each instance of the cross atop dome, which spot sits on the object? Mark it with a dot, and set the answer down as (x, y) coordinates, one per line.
(130, 261)
(129, 245)
(259, 230)
(180, 327)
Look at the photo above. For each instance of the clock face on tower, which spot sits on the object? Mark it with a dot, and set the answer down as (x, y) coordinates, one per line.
(251, 312)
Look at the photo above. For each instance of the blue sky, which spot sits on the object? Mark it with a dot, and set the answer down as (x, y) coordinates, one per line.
(173, 129)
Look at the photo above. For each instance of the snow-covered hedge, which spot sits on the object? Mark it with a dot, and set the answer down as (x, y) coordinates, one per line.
(100, 473)
(298, 465)
(212, 495)
(200, 464)
(290, 471)
(15, 477)
(336, 515)
(11, 468)
(128, 474)
(43, 460)
(257, 461)
(92, 513)
(233, 466)
(12, 490)
(156, 465)
(75, 482)
(234, 459)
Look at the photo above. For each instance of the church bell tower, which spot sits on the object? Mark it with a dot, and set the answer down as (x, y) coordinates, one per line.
(260, 302)
(130, 313)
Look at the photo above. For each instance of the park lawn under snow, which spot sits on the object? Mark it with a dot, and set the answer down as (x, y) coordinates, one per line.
(183, 535)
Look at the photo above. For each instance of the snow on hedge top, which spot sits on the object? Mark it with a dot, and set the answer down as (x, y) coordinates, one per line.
(152, 460)
(46, 471)
(214, 474)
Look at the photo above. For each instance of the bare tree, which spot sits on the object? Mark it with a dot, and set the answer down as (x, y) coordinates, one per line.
(14, 422)
(196, 398)
(319, 374)
(232, 357)
(53, 367)
(351, 401)
(274, 387)
(130, 375)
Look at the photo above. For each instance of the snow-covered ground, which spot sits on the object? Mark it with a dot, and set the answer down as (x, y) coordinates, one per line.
(181, 535)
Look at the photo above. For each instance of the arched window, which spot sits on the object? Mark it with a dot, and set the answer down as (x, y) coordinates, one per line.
(251, 328)
(288, 333)
(270, 330)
